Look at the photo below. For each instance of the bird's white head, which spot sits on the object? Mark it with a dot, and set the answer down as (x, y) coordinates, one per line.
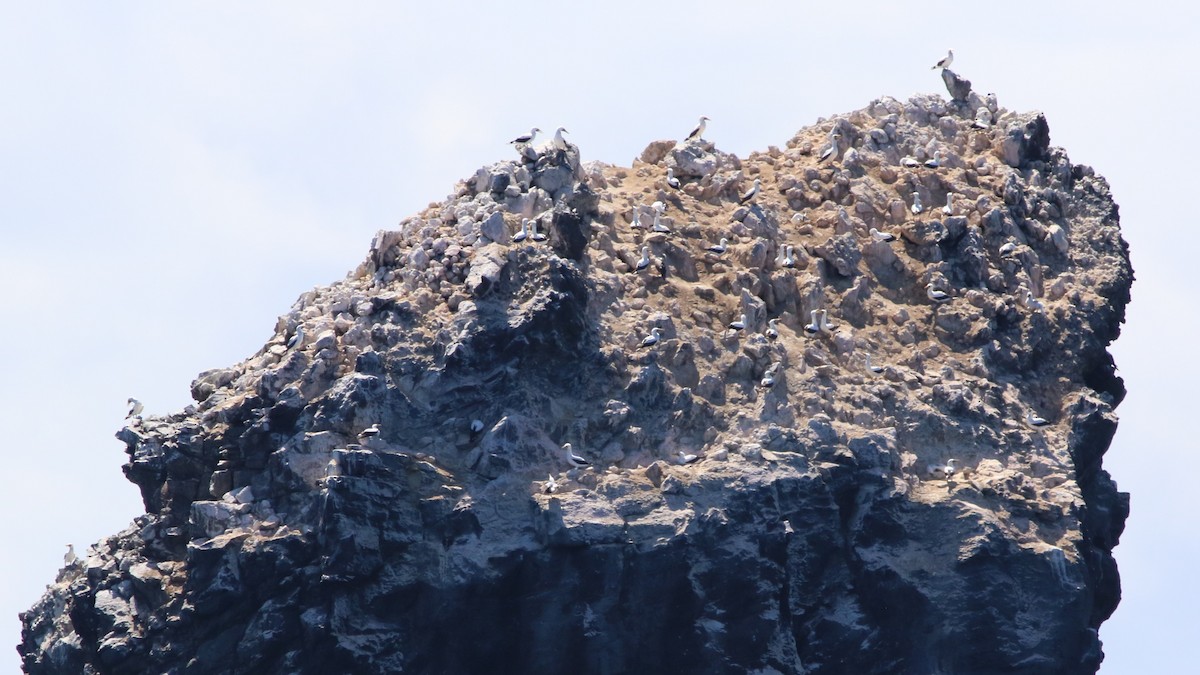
(705, 118)
(561, 130)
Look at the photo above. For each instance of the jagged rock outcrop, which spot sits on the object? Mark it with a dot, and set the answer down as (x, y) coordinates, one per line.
(819, 530)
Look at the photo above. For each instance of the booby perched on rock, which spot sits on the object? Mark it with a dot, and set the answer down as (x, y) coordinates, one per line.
(645, 261)
(944, 63)
(909, 162)
(69, 557)
(297, 339)
(1035, 421)
(659, 208)
(948, 209)
(1008, 248)
(772, 331)
(559, 142)
(686, 458)
(814, 326)
(983, 118)
(944, 470)
(524, 233)
(653, 338)
(526, 139)
(721, 247)
(917, 207)
(697, 133)
(826, 327)
(135, 408)
(833, 147)
(658, 225)
(935, 161)
(1033, 303)
(882, 236)
(768, 380)
(749, 194)
(935, 294)
(637, 218)
(872, 367)
(551, 485)
(788, 259)
(740, 324)
(672, 181)
(533, 232)
(370, 433)
(572, 458)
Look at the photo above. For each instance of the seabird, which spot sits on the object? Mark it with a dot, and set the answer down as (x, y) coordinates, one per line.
(983, 118)
(751, 192)
(559, 142)
(658, 226)
(135, 408)
(645, 261)
(659, 208)
(935, 161)
(833, 146)
(1008, 249)
(550, 486)
(946, 470)
(768, 380)
(814, 326)
(686, 458)
(526, 139)
(916, 205)
(333, 467)
(739, 324)
(1032, 302)
(652, 339)
(945, 63)
(574, 459)
(637, 218)
(936, 295)
(772, 331)
(672, 181)
(297, 339)
(369, 433)
(788, 260)
(533, 232)
(698, 132)
(476, 426)
(69, 557)
(871, 367)
(948, 209)
(520, 236)
(909, 162)
(882, 236)
(1035, 421)
(825, 325)
(721, 247)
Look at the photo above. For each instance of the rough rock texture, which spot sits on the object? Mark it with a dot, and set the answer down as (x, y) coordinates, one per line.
(817, 531)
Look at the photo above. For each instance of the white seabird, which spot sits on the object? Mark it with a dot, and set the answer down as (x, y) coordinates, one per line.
(935, 161)
(551, 485)
(69, 557)
(637, 218)
(916, 207)
(833, 146)
(721, 247)
(645, 261)
(686, 458)
(658, 226)
(826, 327)
(333, 468)
(1033, 303)
(1035, 421)
(739, 324)
(476, 426)
(909, 162)
(768, 380)
(983, 118)
(526, 139)
(297, 339)
(1008, 249)
(520, 236)
(574, 459)
(872, 367)
(533, 232)
(882, 236)
(945, 470)
(135, 408)
(559, 142)
(749, 194)
(948, 209)
(369, 433)
(813, 327)
(652, 339)
(698, 132)
(788, 259)
(772, 331)
(672, 181)
(935, 294)
(944, 63)
(659, 208)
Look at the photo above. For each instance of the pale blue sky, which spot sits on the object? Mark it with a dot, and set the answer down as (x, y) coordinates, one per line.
(173, 176)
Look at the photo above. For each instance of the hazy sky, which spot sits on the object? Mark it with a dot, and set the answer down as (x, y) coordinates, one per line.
(174, 175)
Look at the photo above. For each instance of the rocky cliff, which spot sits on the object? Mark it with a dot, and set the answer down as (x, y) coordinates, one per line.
(942, 508)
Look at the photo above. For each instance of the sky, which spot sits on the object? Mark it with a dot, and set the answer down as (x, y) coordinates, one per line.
(174, 175)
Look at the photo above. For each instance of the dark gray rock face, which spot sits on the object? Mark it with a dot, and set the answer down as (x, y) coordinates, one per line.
(818, 529)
